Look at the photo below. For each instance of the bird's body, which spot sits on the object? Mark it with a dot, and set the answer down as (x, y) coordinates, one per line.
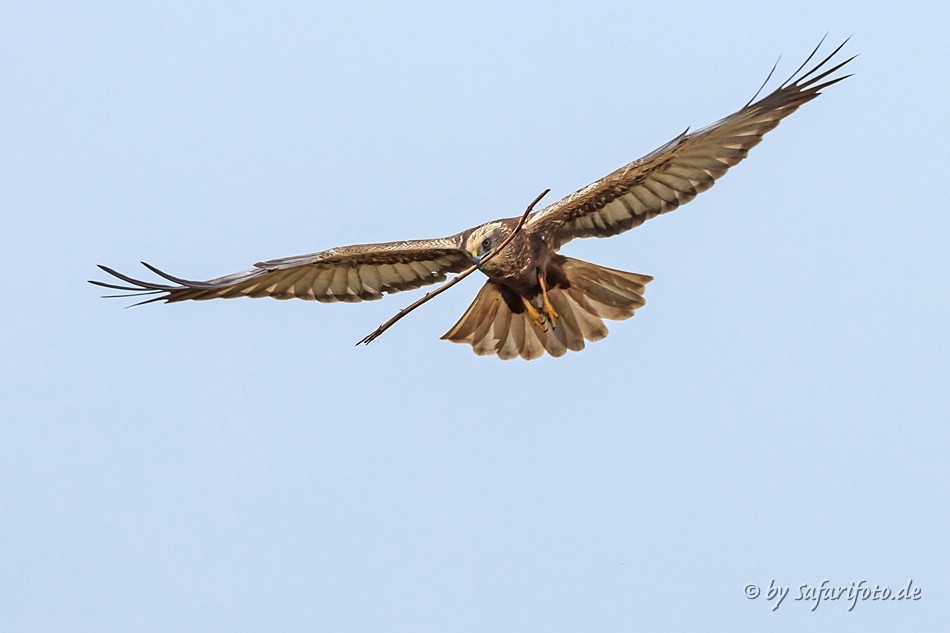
(515, 266)
(535, 300)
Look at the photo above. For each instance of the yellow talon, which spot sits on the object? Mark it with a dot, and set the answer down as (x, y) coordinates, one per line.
(536, 317)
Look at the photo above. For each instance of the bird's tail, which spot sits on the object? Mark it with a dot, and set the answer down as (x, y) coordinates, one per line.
(592, 293)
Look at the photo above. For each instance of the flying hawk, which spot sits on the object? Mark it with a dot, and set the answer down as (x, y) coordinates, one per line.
(535, 300)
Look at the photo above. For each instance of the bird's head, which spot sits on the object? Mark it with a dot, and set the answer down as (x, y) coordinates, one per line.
(485, 238)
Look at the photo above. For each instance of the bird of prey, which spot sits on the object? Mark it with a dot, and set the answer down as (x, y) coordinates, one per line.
(535, 300)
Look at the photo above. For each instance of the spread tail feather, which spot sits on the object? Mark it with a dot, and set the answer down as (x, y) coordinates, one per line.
(593, 293)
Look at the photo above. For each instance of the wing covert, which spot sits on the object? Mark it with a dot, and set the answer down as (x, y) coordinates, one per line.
(676, 172)
(348, 273)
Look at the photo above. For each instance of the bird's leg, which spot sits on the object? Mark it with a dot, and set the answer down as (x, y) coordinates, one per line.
(533, 314)
(546, 306)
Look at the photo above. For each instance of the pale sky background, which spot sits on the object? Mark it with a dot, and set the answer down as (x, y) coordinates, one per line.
(778, 410)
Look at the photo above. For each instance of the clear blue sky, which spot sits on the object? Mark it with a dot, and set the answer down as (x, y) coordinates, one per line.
(778, 410)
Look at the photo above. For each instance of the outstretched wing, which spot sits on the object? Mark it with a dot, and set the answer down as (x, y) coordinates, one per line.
(347, 273)
(674, 173)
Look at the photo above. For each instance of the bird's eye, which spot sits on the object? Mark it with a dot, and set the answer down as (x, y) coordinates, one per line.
(486, 243)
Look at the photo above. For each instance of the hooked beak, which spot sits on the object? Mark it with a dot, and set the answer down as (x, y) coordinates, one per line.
(474, 255)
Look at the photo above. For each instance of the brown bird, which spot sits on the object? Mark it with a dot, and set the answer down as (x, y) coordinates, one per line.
(535, 300)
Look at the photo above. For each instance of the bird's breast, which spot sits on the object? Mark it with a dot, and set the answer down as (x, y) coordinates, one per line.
(517, 265)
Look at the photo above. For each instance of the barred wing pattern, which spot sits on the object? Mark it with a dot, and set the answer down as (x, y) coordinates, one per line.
(674, 173)
(348, 273)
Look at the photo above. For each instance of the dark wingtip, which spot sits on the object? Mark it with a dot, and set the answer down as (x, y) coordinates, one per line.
(137, 288)
(188, 283)
(805, 83)
(764, 83)
(103, 284)
(152, 300)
